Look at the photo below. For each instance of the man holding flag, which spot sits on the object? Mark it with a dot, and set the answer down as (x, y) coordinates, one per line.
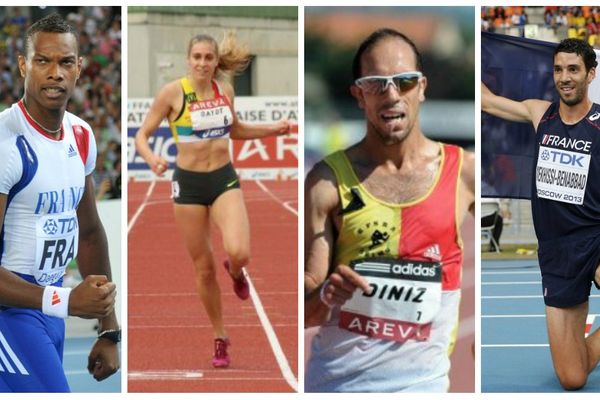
(565, 198)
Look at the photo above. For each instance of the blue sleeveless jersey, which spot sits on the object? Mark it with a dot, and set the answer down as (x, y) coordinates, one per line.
(566, 198)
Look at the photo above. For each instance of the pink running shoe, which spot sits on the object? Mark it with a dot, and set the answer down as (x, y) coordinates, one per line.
(240, 284)
(221, 358)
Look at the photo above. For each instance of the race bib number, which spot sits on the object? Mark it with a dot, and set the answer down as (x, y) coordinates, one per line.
(57, 237)
(211, 119)
(406, 296)
(175, 190)
(562, 175)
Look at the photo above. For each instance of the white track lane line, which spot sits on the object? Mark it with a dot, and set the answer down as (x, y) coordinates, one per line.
(522, 297)
(516, 345)
(277, 199)
(173, 375)
(531, 316)
(510, 272)
(284, 366)
(273, 341)
(138, 212)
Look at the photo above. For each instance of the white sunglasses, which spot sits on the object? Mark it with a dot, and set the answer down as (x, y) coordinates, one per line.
(378, 84)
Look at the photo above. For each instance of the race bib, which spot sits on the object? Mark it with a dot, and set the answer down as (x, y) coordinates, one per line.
(562, 175)
(211, 119)
(175, 190)
(57, 237)
(405, 298)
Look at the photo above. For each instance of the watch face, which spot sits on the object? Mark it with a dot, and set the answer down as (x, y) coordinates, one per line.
(114, 336)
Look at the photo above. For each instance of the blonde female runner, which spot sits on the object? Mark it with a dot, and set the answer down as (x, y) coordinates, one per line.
(205, 187)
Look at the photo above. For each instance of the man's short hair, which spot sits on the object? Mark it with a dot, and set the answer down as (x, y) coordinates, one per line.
(581, 48)
(51, 23)
(376, 37)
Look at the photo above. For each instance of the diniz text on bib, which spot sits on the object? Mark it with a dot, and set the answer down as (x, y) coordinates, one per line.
(562, 168)
(57, 237)
(405, 297)
(211, 119)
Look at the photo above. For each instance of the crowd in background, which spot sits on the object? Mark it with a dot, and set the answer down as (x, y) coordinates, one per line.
(97, 96)
(581, 22)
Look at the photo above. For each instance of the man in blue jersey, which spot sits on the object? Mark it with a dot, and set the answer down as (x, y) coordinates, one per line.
(48, 218)
(565, 204)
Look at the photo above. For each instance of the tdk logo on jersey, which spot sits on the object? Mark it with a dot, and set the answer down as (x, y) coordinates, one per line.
(72, 152)
(566, 143)
(412, 269)
(50, 227)
(60, 226)
(562, 158)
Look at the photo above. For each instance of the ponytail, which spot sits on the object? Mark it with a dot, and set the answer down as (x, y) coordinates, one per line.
(233, 57)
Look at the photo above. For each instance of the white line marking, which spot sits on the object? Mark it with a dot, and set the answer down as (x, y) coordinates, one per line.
(138, 212)
(170, 375)
(515, 345)
(511, 283)
(277, 199)
(524, 316)
(172, 326)
(273, 341)
(194, 294)
(514, 316)
(12, 356)
(537, 272)
(523, 297)
(174, 375)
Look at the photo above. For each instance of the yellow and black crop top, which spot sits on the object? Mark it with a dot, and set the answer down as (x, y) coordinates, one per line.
(202, 119)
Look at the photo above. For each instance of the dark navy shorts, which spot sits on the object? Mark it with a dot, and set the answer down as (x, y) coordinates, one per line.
(203, 188)
(31, 351)
(568, 266)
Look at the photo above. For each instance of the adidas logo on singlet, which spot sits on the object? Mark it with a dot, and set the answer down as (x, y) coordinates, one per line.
(72, 152)
(433, 252)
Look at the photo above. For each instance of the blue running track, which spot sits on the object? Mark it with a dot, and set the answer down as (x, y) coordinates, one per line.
(515, 356)
(75, 364)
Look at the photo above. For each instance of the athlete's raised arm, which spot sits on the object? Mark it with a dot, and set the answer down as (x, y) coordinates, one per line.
(320, 202)
(511, 110)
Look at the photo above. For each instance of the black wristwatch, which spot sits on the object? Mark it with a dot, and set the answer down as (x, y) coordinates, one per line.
(114, 335)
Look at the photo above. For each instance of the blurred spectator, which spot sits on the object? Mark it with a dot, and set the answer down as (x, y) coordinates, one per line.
(97, 96)
(581, 22)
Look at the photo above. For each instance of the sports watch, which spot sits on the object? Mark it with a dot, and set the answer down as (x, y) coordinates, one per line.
(114, 335)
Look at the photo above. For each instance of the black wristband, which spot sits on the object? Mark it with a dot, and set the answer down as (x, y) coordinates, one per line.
(114, 335)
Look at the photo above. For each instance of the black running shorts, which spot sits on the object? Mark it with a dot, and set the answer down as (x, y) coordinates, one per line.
(203, 188)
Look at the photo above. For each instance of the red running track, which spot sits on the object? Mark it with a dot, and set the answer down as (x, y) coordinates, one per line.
(170, 338)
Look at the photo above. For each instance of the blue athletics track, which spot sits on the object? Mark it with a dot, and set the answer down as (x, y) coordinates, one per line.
(515, 355)
(75, 359)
